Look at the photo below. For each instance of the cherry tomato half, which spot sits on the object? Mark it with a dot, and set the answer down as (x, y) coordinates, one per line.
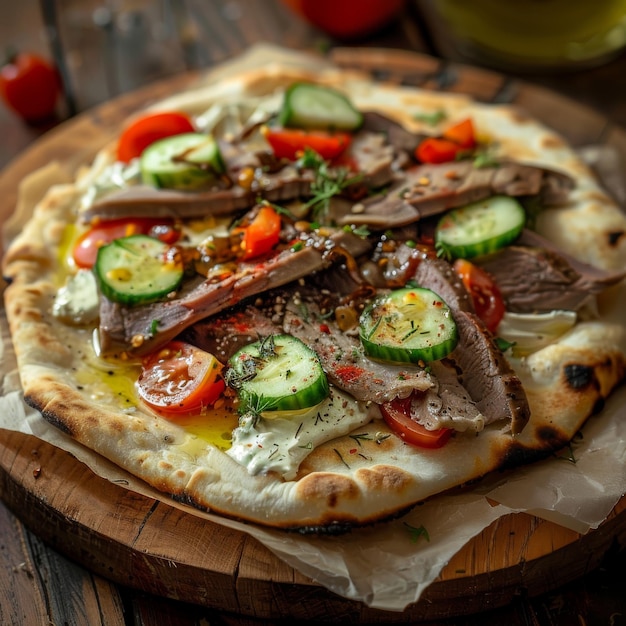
(30, 86)
(144, 131)
(486, 296)
(180, 379)
(86, 248)
(397, 414)
(290, 143)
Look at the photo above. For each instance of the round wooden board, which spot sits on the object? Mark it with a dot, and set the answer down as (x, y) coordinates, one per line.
(151, 546)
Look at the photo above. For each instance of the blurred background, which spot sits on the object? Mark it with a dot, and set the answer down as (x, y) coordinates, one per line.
(103, 48)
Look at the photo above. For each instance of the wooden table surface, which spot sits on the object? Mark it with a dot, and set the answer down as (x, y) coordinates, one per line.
(111, 54)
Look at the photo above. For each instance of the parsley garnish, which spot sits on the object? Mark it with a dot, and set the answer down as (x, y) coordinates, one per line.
(417, 532)
(503, 344)
(432, 119)
(327, 183)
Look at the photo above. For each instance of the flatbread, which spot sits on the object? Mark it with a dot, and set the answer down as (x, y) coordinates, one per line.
(366, 474)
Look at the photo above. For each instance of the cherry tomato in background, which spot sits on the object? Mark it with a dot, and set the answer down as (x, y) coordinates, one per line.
(30, 86)
(486, 296)
(180, 379)
(397, 415)
(347, 19)
(104, 232)
(290, 143)
(138, 135)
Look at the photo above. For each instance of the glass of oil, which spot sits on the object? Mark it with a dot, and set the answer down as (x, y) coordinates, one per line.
(536, 34)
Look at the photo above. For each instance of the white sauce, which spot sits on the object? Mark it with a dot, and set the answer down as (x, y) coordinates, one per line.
(78, 301)
(280, 444)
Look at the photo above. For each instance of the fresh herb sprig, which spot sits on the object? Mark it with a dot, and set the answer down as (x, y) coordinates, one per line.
(328, 182)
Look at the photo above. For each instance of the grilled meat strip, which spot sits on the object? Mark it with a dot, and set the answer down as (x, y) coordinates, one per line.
(142, 329)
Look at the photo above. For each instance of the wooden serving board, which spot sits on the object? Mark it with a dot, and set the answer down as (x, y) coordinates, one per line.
(149, 545)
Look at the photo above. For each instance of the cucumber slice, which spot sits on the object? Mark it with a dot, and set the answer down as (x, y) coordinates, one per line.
(137, 269)
(410, 325)
(481, 227)
(278, 373)
(187, 161)
(311, 106)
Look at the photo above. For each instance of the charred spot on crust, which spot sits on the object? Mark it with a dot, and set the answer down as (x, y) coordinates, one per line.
(578, 376)
(517, 455)
(615, 236)
(598, 406)
(47, 415)
(551, 437)
(549, 440)
(333, 530)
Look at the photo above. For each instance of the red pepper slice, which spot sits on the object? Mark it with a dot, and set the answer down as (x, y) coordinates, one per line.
(462, 134)
(436, 150)
(456, 139)
(262, 234)
(290, 143)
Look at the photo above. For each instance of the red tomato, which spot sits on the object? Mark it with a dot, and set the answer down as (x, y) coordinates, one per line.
(30, 86)
(456, 139)
(347, 19)
(397, 414)
(436, 150)
(462, 134)
(180, 379)
(262, 234)
(486, 296)
(86, 248)
(290, 143)
(150, 128)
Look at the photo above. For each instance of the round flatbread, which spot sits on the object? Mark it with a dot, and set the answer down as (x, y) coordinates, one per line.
(339, 464)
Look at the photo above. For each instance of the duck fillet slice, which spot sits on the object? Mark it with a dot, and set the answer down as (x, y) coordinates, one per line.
(485, 372)
(142, 329)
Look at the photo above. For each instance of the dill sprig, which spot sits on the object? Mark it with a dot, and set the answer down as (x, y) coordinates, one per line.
(328, 182)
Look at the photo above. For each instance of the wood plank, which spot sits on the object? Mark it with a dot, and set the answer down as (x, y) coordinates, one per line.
(45, 587)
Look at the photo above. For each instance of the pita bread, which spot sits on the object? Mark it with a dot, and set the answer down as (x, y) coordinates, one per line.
(369, 473)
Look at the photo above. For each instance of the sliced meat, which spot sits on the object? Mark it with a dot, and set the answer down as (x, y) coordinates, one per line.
(225, 333)
(272, 180)
(447, 404)
(397, 135)
(142, 329)
(439, 399)
(145, 201)
(374, 158)
(427, 190)
(343, 358)
(485, 373)
(534, 280)
(439, 276)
